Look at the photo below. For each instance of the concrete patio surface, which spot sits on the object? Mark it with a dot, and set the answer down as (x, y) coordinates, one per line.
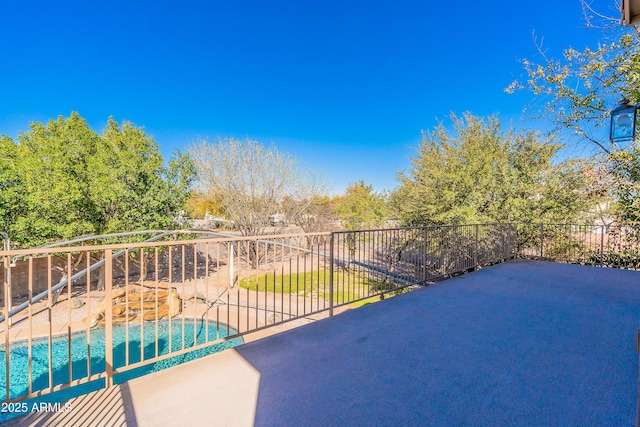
(519, 343)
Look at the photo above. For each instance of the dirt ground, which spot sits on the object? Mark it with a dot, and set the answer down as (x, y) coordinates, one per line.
(214, 301)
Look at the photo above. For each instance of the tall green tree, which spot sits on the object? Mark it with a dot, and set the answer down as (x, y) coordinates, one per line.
(580, 88)
(12, 187)
(61, 179)
(361, 207)
(52, 160)
(479, 173)
(132, 188)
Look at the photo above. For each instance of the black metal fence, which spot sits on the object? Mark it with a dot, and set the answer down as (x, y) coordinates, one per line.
(597, 245)
(99, 312)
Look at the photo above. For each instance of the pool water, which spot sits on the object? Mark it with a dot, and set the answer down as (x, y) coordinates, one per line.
(141, 346)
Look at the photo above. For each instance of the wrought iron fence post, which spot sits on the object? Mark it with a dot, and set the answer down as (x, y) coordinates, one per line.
(541, 239)
(426, 251)
(502, 247)
(331, 264)
(8, 303)
(108, 316)
(7, 277)
(602, 247)
(7, 325)
(475, 250)
(517, 247)
(509, 252)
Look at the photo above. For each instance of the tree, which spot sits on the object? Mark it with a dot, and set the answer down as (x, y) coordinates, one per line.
(581, 87)
(313, 215)
(200, 204)
(361, 207)
(579, 90)
(52, 160)
(478, 173)
(626, 188)
(12, 187)
(252, 182)
(62, 180)
(131, 186)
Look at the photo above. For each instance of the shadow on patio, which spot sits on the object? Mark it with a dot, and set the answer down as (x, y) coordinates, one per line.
(519, 343)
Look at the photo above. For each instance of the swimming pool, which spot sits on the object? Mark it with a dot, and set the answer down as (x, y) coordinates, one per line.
(141, 346)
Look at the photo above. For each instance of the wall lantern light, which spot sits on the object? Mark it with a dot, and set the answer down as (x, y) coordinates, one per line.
(623, 122)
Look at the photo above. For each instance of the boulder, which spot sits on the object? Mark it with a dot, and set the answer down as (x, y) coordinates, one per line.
(199, 297)
(76, 303)
(149, 300)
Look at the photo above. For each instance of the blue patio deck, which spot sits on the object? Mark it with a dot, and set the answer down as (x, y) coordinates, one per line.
(519, 343)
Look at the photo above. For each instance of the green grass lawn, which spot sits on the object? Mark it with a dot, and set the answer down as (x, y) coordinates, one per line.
(289, 283)
(348, 286)
(366, 301)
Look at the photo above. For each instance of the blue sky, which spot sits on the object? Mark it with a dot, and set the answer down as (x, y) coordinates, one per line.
(346, 86)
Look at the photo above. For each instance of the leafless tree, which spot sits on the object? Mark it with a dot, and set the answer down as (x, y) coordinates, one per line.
(256, 185)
